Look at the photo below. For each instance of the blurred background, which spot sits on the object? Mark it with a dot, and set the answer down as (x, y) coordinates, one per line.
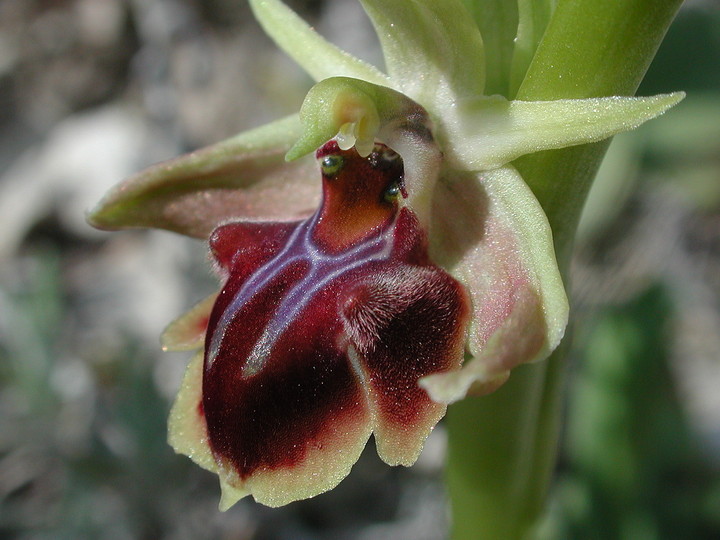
(93, 90)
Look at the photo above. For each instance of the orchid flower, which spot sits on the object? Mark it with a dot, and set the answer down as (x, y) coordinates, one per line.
(381, 256)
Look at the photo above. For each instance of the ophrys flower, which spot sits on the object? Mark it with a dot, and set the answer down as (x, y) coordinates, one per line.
(468, 210)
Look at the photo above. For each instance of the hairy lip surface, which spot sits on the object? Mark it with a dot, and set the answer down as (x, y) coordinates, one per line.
(313, 345)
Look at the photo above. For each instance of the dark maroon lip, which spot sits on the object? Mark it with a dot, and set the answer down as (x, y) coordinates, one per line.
(310, 348)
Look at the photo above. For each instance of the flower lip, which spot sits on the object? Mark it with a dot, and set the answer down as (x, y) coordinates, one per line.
(322, 307)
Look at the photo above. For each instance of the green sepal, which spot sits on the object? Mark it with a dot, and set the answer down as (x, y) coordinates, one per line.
(244, 176)
(318, 57)
(433, 50)
(491, 233)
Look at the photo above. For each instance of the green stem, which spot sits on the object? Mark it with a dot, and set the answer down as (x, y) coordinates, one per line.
(590, 49)
(502, 447)
(496, 480)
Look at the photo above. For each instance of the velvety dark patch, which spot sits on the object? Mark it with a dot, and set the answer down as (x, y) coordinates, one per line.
(278, 376)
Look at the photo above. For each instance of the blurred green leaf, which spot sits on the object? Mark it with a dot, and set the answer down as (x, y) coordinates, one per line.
(634, 471)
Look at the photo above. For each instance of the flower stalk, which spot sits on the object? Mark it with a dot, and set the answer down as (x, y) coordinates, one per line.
(502, 447)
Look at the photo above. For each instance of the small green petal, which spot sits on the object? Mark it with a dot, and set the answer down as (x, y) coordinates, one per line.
(315, 54)
(433, 50)
(244, 176)
(488, 132)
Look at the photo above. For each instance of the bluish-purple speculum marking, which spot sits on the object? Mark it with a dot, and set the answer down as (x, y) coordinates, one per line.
(325, 325)
(322, 268)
